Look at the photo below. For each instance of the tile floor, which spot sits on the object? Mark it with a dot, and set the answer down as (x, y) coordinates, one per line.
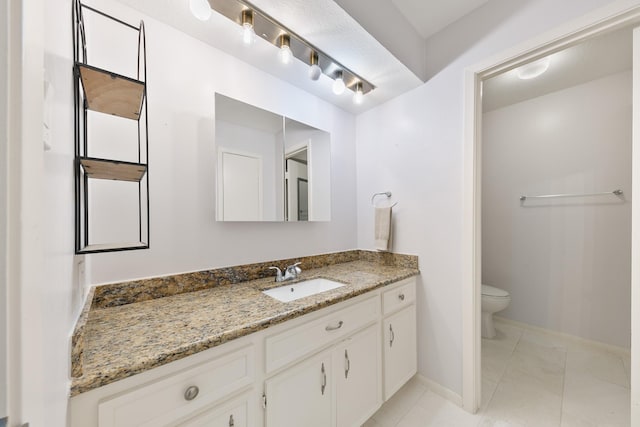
(529, 378)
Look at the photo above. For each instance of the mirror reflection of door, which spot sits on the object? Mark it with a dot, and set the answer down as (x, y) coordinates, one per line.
(241, 186)
(303, 199)
(296, 177)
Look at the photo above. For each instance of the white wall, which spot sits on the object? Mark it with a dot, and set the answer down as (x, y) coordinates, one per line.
(413, 146)
(183, 75)
(566, 262)
(61, 288)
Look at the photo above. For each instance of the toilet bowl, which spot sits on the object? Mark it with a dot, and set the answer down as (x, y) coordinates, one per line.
(493, 300)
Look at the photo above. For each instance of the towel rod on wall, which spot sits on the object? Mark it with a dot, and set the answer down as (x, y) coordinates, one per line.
(383, 193)
(549, 196)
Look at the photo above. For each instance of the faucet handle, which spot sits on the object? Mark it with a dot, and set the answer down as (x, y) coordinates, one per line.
(295, 268)
(278, 273)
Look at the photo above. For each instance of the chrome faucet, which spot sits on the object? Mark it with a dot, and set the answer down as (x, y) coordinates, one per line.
(290, 273)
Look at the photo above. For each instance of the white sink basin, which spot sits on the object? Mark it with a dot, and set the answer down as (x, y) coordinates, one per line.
(286, 293)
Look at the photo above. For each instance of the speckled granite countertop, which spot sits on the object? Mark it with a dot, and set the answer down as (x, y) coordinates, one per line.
(121, 341)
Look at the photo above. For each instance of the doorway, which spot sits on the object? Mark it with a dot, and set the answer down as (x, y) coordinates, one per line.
(597, 23)
(297, 183)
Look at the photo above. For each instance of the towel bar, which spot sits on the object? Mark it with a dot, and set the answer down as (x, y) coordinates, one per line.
(384, 193)
(550, 196)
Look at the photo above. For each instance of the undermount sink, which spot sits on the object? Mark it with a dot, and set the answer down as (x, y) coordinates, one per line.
(294, 291)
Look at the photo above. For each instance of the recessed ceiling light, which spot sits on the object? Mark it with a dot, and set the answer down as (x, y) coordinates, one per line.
(533, 69)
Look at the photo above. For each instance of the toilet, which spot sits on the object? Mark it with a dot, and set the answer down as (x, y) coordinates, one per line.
(493, 300)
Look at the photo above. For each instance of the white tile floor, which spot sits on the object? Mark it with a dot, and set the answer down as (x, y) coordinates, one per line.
(529, 378)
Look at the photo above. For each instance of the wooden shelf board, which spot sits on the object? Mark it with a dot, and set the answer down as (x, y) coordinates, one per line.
(112, 247)
(111, 93)
(112, 169)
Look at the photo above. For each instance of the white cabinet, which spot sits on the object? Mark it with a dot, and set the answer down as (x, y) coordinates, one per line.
(340, 386)
(400, 353)
(302, 395)
(358, 379)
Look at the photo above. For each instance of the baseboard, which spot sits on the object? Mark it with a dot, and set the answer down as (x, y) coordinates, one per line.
(440, 390)
(608, 347)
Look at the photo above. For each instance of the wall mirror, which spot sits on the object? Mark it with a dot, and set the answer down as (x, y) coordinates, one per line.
(269, 167)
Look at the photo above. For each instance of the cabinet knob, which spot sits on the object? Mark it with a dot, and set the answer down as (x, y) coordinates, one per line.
(191, 393)
(401, 297)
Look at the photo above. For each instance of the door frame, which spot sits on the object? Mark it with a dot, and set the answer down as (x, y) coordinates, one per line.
(4, 138)
(617, 15)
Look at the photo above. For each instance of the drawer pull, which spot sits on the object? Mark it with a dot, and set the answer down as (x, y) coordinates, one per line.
(324, 380)
(401, 296)
(347, 364)
(333, 328)
(231, 422)
(191, 393)
(392, 334)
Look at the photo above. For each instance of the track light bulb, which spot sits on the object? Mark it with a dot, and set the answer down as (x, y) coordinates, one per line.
(248, 33)
(200, 9)
(338, 84)
(358, 96)
(285, 53)
(314, 69)
(314, 72)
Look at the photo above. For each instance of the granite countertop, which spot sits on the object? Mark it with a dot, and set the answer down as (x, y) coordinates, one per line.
(124, 340)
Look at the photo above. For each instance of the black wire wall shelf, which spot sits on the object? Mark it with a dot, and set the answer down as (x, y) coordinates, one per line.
(107, 92)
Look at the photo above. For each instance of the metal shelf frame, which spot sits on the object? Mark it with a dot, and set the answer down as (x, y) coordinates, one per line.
(111, 93)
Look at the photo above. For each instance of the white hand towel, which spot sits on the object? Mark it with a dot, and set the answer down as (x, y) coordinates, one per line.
(382, 233)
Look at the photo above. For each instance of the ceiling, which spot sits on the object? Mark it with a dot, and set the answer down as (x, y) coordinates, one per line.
(327, 25)
(367, 42)
(593, 59)
(429, 17)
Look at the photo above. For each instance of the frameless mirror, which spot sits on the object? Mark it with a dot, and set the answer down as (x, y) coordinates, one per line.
(269, 168)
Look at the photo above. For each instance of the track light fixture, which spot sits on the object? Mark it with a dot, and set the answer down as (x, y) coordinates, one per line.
(338, 84)
(255, 22)
(358, 96)
(248, 33)
(285, 54)
(314, 69)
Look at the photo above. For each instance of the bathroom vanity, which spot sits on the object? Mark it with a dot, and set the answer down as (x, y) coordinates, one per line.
(230, 355)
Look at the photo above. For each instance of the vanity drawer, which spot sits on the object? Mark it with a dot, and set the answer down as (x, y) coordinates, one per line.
(165, 401)
(400, 296)
(295, 343)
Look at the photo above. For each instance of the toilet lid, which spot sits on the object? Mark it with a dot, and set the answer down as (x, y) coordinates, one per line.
(493, 292)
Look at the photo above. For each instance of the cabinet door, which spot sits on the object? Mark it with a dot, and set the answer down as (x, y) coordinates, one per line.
(358, 377)
(236, 413)
(400, 353)
(302, 395)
